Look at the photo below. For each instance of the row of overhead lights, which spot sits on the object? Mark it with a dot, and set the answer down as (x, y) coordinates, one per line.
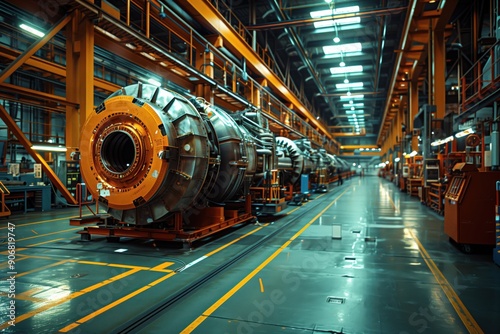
(349, 17)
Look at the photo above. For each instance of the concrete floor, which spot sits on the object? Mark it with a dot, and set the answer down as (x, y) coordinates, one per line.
(392, 271)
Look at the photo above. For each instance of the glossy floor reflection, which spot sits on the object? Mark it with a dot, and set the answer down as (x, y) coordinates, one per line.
(362, 258)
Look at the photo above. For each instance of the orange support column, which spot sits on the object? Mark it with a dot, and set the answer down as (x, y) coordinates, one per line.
(437, 55)
(79, 77)
(413, 107)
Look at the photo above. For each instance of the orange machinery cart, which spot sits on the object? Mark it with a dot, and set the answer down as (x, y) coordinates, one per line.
(469, 213)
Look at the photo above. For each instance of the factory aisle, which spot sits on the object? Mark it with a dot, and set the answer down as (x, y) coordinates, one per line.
(392, 271)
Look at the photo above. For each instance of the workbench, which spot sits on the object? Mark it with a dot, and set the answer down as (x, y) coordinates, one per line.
(32, 198)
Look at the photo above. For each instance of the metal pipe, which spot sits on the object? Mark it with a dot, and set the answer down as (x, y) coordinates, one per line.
(303, 22)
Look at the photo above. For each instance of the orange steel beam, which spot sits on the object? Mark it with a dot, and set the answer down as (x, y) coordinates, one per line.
(406, 29)
(21, 59)
(212, 17)
(55, 69)
(416, 17)
(16, 131)
(36, 94)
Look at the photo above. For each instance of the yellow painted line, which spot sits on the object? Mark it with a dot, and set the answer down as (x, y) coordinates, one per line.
(464, 314)
(46, 234)
(135, 293)
(162, 266)
(69, 297)
(17, 250)
(28, 295)
(24, 296)
(41, 222)
(92, 262)
(261, 285)
(127, 266)
(43, 267)
(6, 263)
(191, 327)
(234, 241)
(115, 303)
(46, 242)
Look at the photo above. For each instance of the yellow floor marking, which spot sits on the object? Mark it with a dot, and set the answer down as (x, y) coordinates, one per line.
(261, 285)
(464, 314)
(41, 222)
(245, 280)
(135, 293)
(234, 241)
(118, 265)
(43, 267)
(17, 250)
(93, 262)
(6, 263)
(25, 296)
(43, 235)
(69, 297)
(115, 303)
(162, 266)
(28, 295)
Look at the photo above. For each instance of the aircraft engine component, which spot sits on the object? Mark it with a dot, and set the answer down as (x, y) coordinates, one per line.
(147, 151)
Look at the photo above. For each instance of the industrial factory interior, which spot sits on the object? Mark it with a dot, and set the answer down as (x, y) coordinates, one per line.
(260, 166)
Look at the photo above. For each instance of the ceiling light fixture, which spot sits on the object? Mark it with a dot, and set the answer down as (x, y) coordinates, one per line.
(31, 30)
(349, 85)
(345, 48)
(345, 20)
(49, 148)
(346, 69)
(349, 96)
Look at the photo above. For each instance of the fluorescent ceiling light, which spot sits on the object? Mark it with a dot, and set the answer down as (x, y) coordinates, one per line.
(464, 133)
(49, 148)
(346, 69)
(32, 30)
(345, 48)
(358, 112)
(131, 46)
(336, 11)
(154, 82)
(147, 55)
(107, 33)
(352, 97)
(353, 105)
(442, 141)
(349, 85)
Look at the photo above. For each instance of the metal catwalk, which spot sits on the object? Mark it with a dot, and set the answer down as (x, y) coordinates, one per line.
(362, 258)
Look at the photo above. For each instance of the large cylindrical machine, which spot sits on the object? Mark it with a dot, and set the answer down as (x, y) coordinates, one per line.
(147, 152)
